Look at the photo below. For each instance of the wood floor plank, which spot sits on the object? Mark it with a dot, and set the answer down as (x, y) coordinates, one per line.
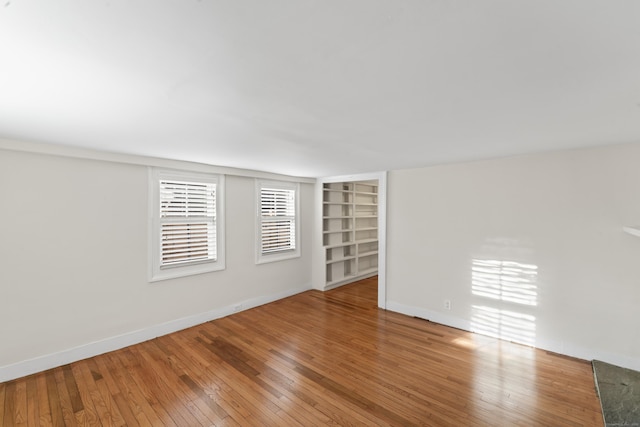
(317, 358)
(20, 416)
(100, 390)
(44, 409)
(3, 388)
(197, 366)
(33, 404)
(9, 404)
(128, 389)
(68, 411)
(111, 390)
(72, 389)
(170, 391)
(173, 376)
(88, 415)
(57, 416)
(303, 388)
(149, 397)
(296, 395)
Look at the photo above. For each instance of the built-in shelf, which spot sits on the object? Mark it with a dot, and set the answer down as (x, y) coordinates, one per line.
(633, 230)
(350, 231)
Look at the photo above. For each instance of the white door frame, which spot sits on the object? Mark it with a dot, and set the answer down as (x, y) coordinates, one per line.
(381, 177)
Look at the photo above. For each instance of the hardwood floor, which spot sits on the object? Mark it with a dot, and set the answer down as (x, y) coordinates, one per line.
(312, 359)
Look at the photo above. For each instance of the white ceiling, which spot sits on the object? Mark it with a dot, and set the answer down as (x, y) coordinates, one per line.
(318, 88)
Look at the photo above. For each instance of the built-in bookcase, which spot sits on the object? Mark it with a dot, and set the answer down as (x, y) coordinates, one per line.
(350, 231)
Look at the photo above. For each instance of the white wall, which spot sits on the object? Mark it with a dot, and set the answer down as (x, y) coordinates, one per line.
(562, 212)
(74, 254)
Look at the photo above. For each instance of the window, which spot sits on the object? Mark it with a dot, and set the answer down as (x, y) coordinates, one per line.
(187, 230)
(277, 225)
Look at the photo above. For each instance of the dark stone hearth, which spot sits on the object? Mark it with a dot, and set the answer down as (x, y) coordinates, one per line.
(619, 391)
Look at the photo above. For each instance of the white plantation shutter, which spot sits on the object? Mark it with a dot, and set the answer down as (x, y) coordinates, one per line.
(188, 222)
(278, 211)
(277, 221)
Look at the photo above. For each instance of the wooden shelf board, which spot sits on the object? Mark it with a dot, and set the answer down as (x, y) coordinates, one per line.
(346, 230)
(339, 245)
(351, 278)
(344, 279)
(337, 191)
(366, 241)
(333, 261)
(369, 253)
(368, 271)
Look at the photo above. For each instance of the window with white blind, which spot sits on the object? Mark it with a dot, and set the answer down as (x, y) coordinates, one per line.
(187, 235)
(277, 225)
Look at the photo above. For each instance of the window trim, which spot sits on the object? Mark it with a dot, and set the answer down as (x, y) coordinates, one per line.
(158, 273)
(282, 255)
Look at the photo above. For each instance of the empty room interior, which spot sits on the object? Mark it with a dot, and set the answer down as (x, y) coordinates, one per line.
(307, 213)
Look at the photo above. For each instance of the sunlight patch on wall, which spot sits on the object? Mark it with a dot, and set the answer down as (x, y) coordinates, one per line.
(510, 284)
(505, 280)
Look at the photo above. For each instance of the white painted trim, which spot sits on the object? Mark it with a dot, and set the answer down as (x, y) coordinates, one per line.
(318, 253)
(42, 363)
(432, 316)
(372, 176)
(382, 240)
(564, 348)
(278, 256)
(81, 153)
(155, 272)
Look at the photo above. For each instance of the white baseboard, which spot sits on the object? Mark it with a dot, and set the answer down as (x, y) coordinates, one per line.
(42, 363)
(565, 348)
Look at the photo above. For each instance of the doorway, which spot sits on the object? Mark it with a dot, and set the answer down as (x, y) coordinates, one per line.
(354, 230)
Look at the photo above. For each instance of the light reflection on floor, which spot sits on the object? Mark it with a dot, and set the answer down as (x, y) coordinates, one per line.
(504, 373)
(504, 324)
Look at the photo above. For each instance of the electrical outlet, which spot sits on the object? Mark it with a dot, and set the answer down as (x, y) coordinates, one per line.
(447, 304)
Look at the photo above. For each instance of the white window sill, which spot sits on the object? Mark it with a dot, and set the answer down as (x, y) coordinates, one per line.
(278, 256)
